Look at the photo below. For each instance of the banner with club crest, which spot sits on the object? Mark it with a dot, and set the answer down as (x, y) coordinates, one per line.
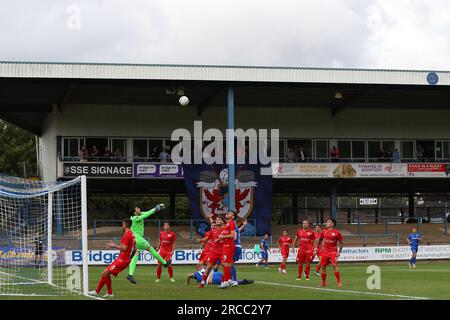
(207, 187)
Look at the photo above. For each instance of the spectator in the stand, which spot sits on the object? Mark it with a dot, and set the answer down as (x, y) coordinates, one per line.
(94, 153)
(107, 154)
(396, 156)
(290, 154)
(83, 153)
(420, 153)
(301, 155)
(381, 155)
(117, 155)
(246, 230)
(334, 154)
(164, 155)
(154, 154)
(388, 155)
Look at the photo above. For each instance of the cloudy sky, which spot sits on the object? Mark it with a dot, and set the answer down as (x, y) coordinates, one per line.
(396, 34)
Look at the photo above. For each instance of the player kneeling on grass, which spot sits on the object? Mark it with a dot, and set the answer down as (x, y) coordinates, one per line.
(215, 277)
(166, 247)
(127, 249)
(413, 239)
(284, 244)
(306, 238)
(331, 238)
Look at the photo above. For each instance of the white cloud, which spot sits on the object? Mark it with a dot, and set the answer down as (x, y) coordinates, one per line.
(321, 33)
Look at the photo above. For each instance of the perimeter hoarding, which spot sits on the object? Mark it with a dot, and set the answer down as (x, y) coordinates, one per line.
(360, 170)
(349, 254)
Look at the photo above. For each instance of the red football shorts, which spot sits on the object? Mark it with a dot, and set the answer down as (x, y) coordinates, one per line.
(327, 258)
(228, 254)
(213, 257)
(165, 255)
(285, 254)
(117, 266)
(304, 256)
(203, 257)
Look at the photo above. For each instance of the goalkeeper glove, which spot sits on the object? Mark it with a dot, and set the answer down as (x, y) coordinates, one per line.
(159, 207)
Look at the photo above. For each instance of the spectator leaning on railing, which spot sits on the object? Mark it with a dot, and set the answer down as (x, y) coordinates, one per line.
(83, 153)
(107, 154)
(334, 154)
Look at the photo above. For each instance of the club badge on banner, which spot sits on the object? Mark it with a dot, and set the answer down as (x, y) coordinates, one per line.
(207, 188)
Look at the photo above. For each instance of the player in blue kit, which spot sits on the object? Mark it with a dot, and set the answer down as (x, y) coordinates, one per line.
(264, 244)
(413, 239)
(237, 255)
(213, 278)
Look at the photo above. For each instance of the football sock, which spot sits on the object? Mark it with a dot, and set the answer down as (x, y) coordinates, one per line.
(133, 264)
(158, 271)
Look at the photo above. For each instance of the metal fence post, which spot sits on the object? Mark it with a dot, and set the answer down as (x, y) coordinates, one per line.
(398, 239)
(387, 225)
(445, 224)
(365, 240)
(95, 229)
(359, 225)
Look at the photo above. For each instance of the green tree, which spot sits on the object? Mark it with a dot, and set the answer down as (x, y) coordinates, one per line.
(17, 146)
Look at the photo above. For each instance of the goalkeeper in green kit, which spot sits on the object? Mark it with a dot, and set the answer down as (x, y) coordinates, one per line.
(137, 228)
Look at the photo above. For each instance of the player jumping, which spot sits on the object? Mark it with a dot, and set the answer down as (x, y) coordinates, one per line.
(413, 239)
(284, 244)
(330, 237)
(215, 255)
(127, 249)
(317, 232)
(228, 235)
(305, 237)
(138, 230)
(166, 247)
(205, 248)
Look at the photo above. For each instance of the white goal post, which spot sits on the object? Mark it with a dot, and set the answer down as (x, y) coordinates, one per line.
(40, 224)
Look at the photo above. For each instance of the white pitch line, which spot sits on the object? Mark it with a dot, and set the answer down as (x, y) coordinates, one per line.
(344, 291)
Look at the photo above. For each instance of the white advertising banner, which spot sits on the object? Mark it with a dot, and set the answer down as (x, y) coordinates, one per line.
(301, 170)
(349, 254)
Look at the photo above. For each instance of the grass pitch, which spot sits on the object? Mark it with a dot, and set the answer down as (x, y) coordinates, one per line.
(428, 281)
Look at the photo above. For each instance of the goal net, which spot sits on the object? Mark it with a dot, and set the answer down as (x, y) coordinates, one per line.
(42, 226)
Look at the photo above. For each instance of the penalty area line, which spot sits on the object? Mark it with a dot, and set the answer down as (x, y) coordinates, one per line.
(344, 291)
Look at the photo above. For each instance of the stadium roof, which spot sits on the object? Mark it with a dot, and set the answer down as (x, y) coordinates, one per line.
(30, 91)
(217, 73)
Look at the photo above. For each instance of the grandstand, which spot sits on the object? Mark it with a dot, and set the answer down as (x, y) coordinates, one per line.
(390, 127)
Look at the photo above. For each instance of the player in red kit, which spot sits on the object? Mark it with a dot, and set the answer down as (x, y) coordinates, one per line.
(215, 254)
(166, 247)
(228, 236)
(306, 239)
(331, 239)
(317, 232)
(205, 248)
(284, 244)
(127, 249)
